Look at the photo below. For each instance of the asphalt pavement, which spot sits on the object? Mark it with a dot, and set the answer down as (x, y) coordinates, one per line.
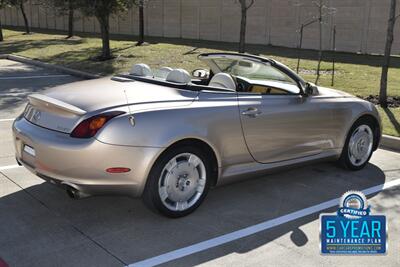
(41, 226)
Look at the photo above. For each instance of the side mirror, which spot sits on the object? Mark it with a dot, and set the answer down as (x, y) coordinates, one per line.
(311, 89)
(200, 73)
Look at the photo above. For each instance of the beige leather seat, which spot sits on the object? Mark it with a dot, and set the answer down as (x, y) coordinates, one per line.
(179, 76)
(223, 80)
(141, 70)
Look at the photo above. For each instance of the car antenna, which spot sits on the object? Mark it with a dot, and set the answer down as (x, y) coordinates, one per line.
(127, 102)
(131, 118)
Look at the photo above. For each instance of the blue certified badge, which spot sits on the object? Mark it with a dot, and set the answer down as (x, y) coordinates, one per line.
(353, 230)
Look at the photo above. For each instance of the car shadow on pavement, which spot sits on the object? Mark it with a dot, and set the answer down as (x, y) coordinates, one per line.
(23, 45)
(126, 230)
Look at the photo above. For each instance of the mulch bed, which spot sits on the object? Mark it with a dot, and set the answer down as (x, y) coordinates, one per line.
(314, 72)
(393, 101)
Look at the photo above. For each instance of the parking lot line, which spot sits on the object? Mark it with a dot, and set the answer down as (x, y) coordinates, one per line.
(1, 120)
(34, 77)
(182, 252)
(3, 168)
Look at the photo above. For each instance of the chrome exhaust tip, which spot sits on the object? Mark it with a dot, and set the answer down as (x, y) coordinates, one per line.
(75, 193)
(72, 193)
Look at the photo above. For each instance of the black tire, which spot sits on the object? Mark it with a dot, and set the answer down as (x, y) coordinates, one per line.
(151, 196)
(344, 159)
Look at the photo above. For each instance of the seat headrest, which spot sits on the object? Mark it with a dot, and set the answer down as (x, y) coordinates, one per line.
(166, 69)
(141, 70)
(178, 76)
(223, 80)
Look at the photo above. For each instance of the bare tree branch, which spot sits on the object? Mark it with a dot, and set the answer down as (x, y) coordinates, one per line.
(251, 3)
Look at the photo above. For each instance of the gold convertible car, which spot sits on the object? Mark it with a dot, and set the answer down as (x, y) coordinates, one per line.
(168, 136)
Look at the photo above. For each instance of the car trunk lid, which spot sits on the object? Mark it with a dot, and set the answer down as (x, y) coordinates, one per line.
(62, 107)
(52, 113)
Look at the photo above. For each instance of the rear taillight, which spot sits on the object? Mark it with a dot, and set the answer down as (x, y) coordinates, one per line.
(89, 127)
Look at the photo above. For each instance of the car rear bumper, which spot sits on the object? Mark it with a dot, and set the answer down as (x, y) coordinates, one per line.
(82, 163)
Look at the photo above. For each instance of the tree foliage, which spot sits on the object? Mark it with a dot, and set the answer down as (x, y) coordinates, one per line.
(63, 8)
(102, 10)
(140, 2)
(4, 3)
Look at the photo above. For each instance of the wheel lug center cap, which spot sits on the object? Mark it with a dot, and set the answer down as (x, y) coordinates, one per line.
(182, 182)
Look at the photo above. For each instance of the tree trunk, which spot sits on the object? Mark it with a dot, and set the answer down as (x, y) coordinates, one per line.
(242, 41)
(1, 32)
(300, 45)
(334, 54)
(70, 19)
(105, 37)
(388, 50)
(27, 29)
(320, 43)
(141, 25)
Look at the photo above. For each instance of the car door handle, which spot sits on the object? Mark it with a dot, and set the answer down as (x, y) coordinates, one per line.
(251, 112)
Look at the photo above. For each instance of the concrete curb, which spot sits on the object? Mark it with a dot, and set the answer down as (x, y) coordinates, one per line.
(390, 142)
(73, 72)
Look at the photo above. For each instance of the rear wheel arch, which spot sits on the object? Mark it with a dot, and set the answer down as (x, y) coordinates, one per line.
(205, 147)
(165, 195)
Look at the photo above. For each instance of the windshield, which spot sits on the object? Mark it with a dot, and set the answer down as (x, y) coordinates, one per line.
(252, 70)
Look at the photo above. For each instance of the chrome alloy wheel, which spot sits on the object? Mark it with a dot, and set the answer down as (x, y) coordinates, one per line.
(182, 182)
(360, 145)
